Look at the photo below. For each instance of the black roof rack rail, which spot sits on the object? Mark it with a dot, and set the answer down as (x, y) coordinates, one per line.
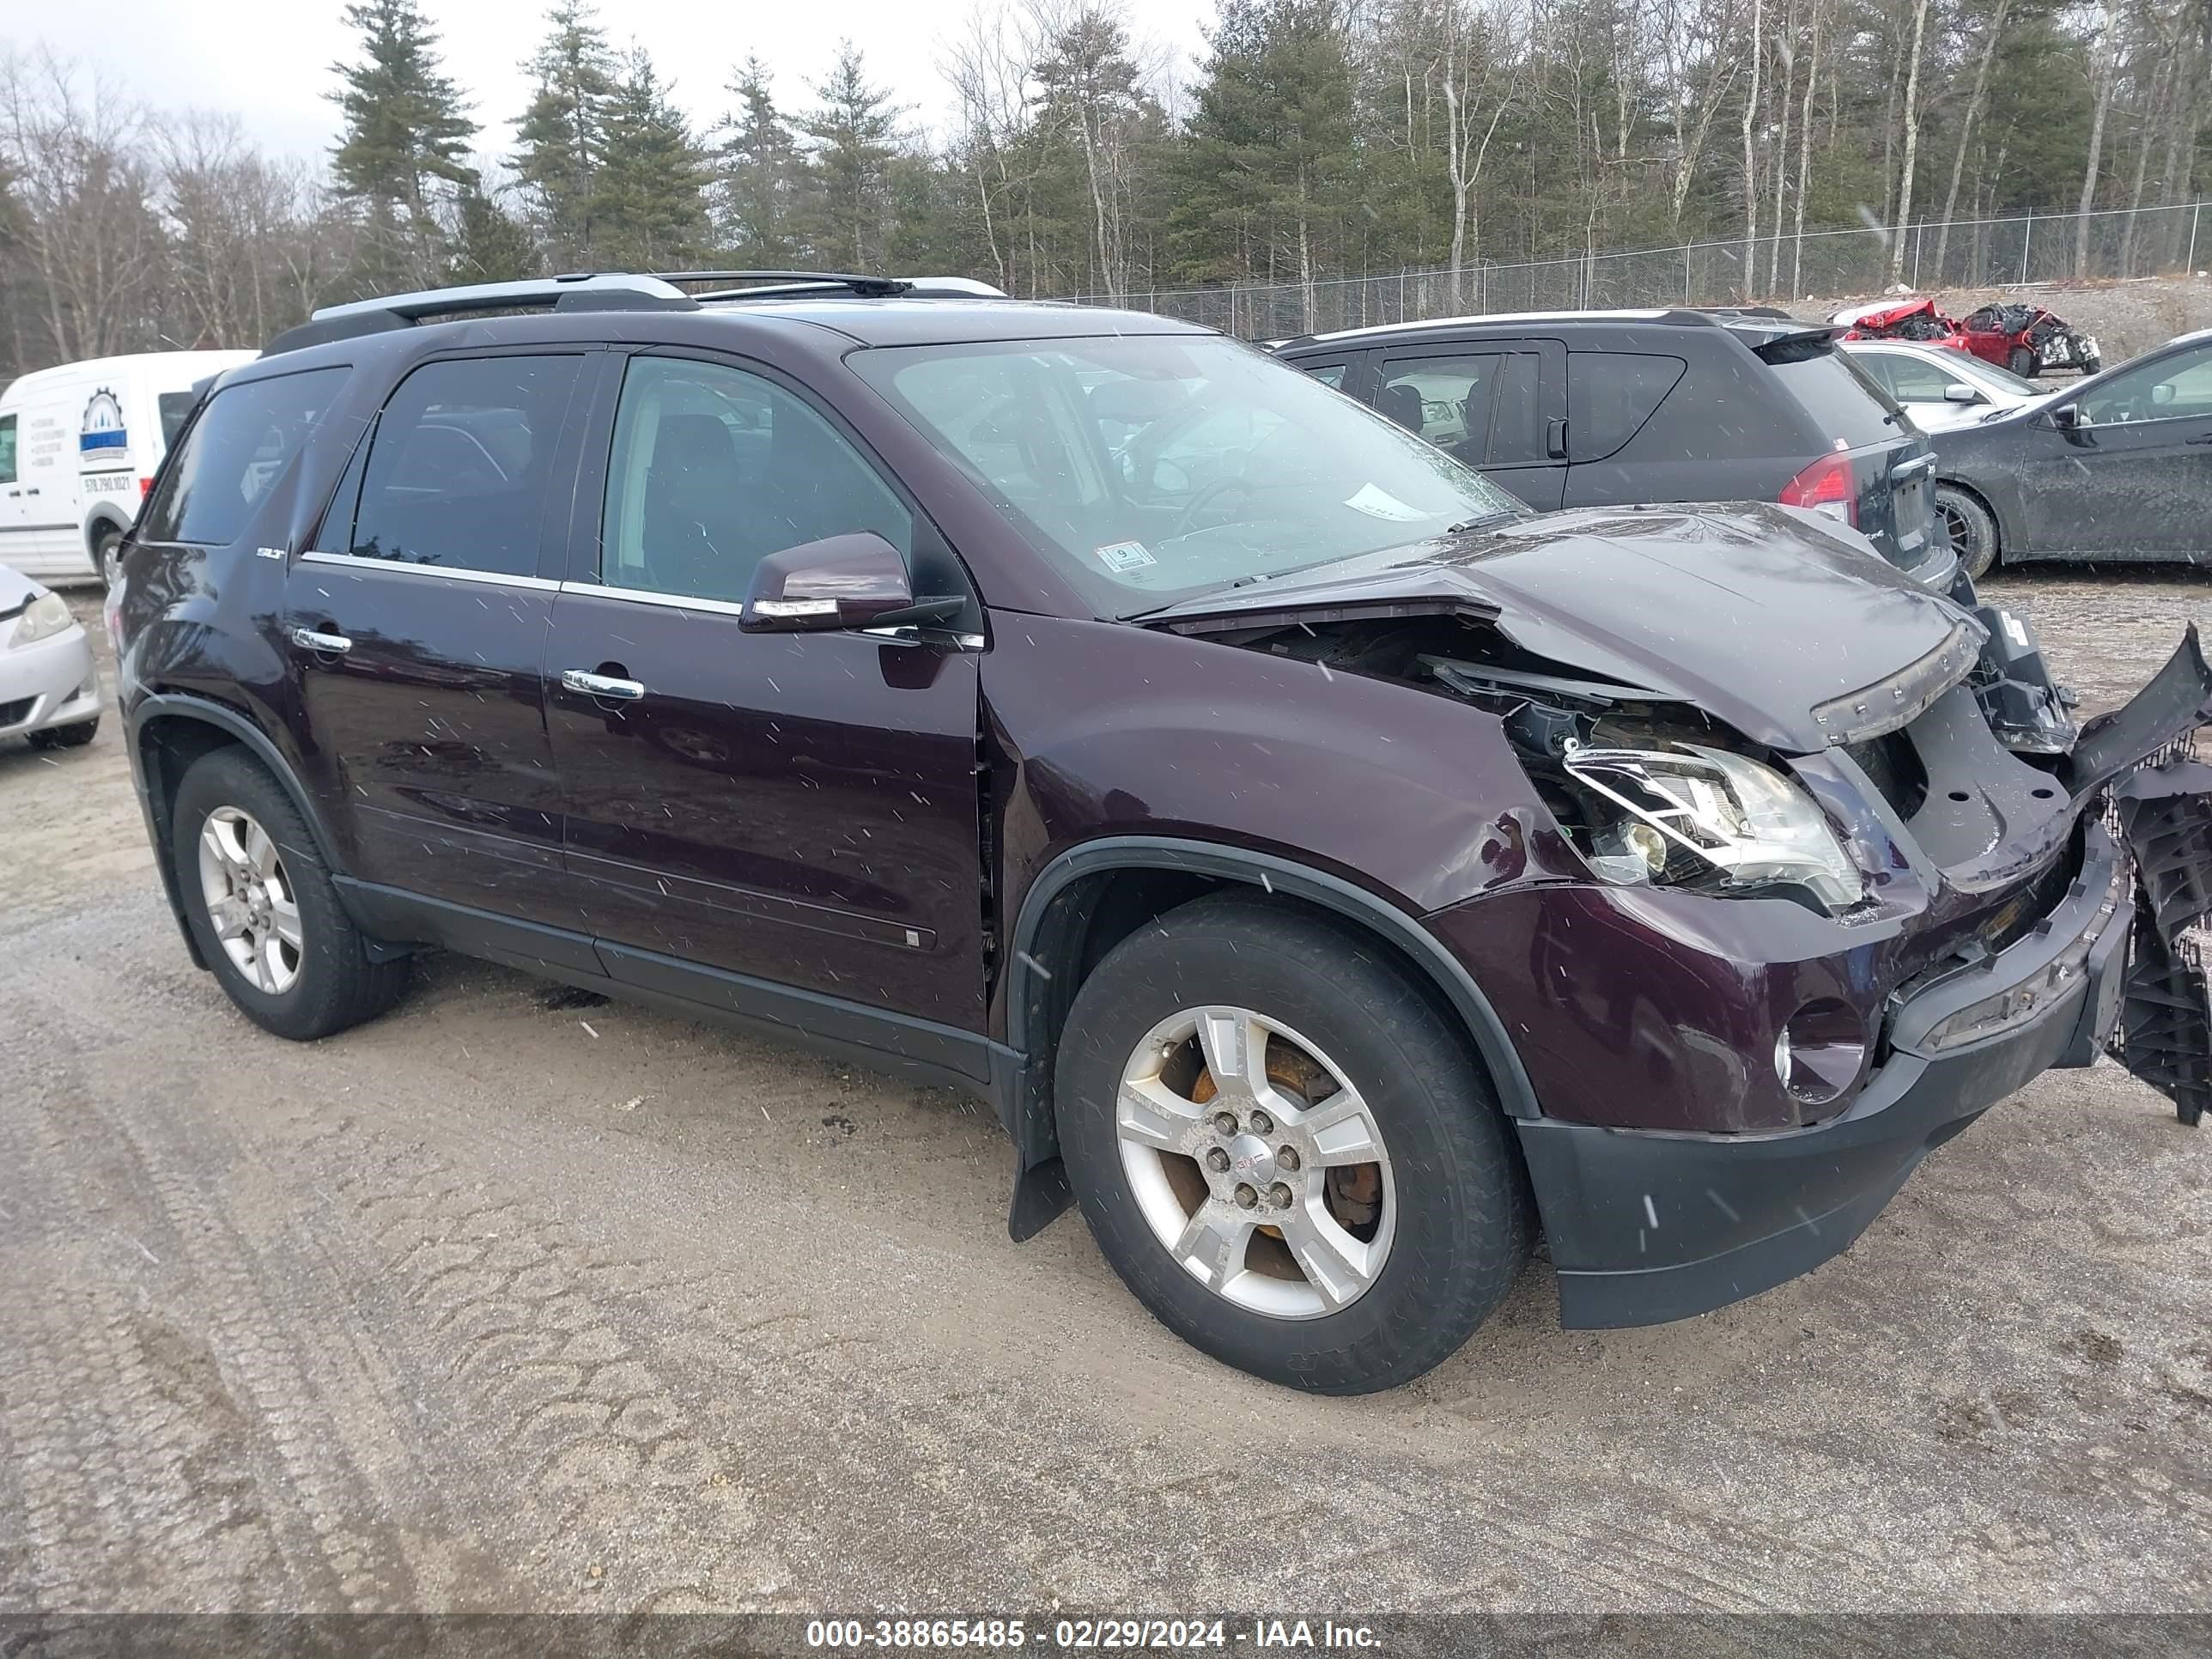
(760, 281)
(578, 291)
(787, 284)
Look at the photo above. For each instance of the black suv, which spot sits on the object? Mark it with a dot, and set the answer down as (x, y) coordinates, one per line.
(1327, 868)
(1617, 408)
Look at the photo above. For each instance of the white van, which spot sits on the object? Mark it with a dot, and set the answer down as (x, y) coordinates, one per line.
(78, 446)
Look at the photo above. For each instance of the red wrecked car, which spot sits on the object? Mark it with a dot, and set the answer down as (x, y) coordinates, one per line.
(2028, 339)
(1914, 319)
(2024, 339)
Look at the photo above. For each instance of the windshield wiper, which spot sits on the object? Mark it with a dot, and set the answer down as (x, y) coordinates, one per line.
(1466, 526)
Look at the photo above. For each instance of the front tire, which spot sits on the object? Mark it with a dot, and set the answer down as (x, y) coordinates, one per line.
(1973, 529)
(1285, 1150)
(2024, 361)
(262, 908)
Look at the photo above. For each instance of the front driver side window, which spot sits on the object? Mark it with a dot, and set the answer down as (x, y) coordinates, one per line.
(2179, 387)
(713, 469)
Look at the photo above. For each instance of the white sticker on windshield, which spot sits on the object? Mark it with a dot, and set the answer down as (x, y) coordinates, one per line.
(1118, 556)
(1381, 504)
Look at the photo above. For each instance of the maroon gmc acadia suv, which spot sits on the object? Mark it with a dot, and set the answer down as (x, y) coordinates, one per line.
(1331, 871)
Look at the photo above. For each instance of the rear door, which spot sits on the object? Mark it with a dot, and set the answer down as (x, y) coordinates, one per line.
(418, 621)
(47, 538)
(2134, 476)
(1497, 405)
(795, 808)
(1612, 396)
(11, 484)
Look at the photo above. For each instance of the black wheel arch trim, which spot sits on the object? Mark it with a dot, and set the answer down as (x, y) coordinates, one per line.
(228, 721)
(1041, 1190)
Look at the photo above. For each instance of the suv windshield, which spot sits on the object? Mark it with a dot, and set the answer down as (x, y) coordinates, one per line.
(1150, 468)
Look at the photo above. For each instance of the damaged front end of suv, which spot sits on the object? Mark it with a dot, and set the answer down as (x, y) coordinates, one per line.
(1785, 925)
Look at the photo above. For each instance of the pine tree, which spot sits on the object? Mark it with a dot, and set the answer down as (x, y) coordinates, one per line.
(1268, 163)
(855, 133)
(650, 197)
(489, 244)
(763, 176)
(404, 134)
(562, 135)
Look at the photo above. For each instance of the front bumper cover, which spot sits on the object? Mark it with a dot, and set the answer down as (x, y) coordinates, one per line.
(1647, 1226)
(51, 683)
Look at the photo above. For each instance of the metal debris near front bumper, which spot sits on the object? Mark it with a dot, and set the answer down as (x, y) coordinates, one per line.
(2164, 1036)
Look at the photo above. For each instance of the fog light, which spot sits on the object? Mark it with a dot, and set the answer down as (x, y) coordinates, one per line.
(1819, 1053)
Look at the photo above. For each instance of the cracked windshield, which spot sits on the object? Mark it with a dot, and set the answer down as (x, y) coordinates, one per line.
(1156, 468)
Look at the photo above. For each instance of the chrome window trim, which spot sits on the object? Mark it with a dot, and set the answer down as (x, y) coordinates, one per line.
(896, 635)
(453, 573)
(648, 596)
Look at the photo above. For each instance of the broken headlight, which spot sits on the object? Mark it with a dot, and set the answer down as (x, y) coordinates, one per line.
(1718, 813)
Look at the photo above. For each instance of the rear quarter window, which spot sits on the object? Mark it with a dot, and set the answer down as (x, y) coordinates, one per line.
(234, 454)
(1842, 399)
(1610, 396)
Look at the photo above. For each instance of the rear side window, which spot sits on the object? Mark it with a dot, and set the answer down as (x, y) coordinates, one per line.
(1843, 400)
(459, 465)
(174, 407)
(1611, 394)
(7, 449)
(234, 452)
(1331, 374)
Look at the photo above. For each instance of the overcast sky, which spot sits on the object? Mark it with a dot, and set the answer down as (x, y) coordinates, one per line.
(268, 61)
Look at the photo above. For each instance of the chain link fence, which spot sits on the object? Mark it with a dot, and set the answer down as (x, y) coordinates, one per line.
(1786, 269)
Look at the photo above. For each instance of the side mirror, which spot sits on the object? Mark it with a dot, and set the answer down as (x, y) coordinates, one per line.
(855, 581)
(1960, 393)
(2066, 418)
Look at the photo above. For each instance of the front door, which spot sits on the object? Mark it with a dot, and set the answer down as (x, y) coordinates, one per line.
(419, 620)
(797, 808)
(2134, 476)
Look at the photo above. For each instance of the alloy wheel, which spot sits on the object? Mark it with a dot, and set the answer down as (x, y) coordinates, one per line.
(1256, 1163)
(250, 899)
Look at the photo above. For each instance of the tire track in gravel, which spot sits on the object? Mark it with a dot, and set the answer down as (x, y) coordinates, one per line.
(186, 1343)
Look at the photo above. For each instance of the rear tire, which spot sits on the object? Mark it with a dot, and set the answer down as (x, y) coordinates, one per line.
(2024, 362)
(1410, 1250)
(66, 736)
(107, 556)
(262, 908)
(1972, 530)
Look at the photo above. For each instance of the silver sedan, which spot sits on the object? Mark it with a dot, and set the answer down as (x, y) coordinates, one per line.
(49, 688)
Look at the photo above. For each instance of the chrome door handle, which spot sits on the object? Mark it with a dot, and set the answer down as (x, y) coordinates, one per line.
(308, 640)
(601, 685)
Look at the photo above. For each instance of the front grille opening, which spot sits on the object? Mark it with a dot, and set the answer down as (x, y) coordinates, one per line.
(1892, 766)
(15, 713)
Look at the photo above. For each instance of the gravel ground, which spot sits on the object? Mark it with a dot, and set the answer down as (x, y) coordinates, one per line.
(502, 1303)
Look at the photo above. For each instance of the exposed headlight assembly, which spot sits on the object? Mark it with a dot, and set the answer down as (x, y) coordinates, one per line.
(44, 617)
(1743, 822)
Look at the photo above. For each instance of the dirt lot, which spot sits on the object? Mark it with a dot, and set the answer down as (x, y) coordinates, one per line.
(504, 1303)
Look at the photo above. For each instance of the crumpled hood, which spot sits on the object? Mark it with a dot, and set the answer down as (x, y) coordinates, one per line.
(1756, 614)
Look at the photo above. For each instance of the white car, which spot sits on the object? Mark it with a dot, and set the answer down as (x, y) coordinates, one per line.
(1939, 387)
(78, 446)
(49, 687)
